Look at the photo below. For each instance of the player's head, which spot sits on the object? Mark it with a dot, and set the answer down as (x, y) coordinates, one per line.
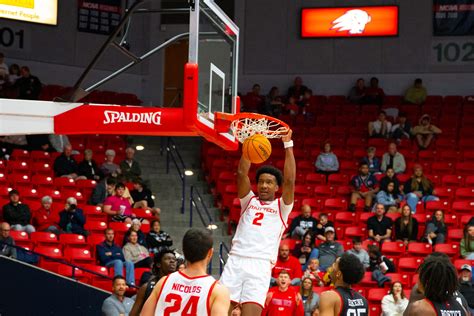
(283, 280)
(119, 286)
(197, 245)
(347, 269)
(164, 262)
(269, 180)
(437, 278)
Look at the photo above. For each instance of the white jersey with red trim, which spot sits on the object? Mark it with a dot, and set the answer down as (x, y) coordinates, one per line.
(184, 295)
(260, 228)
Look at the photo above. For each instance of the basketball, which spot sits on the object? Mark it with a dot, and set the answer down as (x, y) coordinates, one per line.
(257, 148)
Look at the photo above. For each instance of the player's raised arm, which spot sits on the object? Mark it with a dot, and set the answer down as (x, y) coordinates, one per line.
(150, 304)
(289, 171)
(220, 301)
(243, 181)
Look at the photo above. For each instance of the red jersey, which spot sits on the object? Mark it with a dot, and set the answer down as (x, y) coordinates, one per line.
(286, 303)
(292, 265)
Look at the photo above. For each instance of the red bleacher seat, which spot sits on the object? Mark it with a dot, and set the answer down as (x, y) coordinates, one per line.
(338, 179)
(465, 194)
(393, 248)
(418, 249)
(375, 295)
(119, 227)
(40, 156)
(367, 280)
(63, 182)
(403, 278)
(20, 180)
(465, 168)
(49, 251)
(78, 255)
(375, 310)
(345, 219)
(72, 239)
(432, 206)
(458, 263)
(463, 207)
(71, 272)
(44, 239)
(97, 227)
(409, 264)
(315, 204)
(336, 204)
(315, 178)
(43, 168)
(18, 167)
(351, 232)
(323, 191)
(451, 250)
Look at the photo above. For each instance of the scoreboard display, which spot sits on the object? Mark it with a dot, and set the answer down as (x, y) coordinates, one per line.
(98, 16)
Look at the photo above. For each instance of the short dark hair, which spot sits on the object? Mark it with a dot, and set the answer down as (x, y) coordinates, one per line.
(138, 180)
(196, 244)
(157, 260)
(356, 240)
(402, 114)
(111, 181)
(375, 250)
(418, 80)
(270, 170)
(351, 268)
(284, 272)
(13, 192)
(438, 277)
(118, 277)
(119, 185)
(362, 163)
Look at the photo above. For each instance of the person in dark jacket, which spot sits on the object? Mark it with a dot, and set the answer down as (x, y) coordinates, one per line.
(6, 241)
(363, 186)
(16, 214)
(88, 167)
(65, 165)
(466, 288)
(143, 198)
(380, 265)
(29, 86)
(418, 188)
(72, 219)
(302, 223)
(111, 255)
(158, 240)
(102, 190)
(390, 176)
(406, 226)
(130, 167)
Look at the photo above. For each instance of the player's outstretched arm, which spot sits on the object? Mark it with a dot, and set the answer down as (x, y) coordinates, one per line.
(327, 304)
(150, 304)
(139, 301)
(243, 181)
(220, 300)
(289, 171)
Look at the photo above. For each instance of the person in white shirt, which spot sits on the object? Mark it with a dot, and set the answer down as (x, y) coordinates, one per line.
(381, 127)
(395, 302)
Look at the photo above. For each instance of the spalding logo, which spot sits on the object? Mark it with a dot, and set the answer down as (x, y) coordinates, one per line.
(353, 21)
(111, 117)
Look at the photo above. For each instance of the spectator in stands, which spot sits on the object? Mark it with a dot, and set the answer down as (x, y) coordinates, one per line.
(380, 266)
(283, 299)
(17, 214)
(14, 74)
(103, 190)
(136, 253)
(372, 161)
(406, 226)
(291, 107)
(375, 94)
(58, 142)
(297, 90)
(467, 243)
(329, 250)
(72, 219)
(395, 302)
(273, 102)
(110, 254)
(436, 230)
(324, 222)
(306, 249)
(143, 198)
(364, 186)
(389, 198)
(310, 299)
(44, 219)
(109, 168)
(357, 94)
(327, 162)
(3, 73)
(287, 263)
(117, 303)
(379, 226)
(119, 206)
(6, 241)
(359, 252)
(418, 188)
(11, 142)
(129, 167)
(424, 132)
(466, 288)
(39, 142)
(302, 223)
(158, 240)
(254, 100)
(402, 129)
(417, 93)
(307, 105)
(393, 159)
(88, 167)
(29, 86)
(381, 127)
(390, 176)
(66, 166)
(135, 227)
(314, 273)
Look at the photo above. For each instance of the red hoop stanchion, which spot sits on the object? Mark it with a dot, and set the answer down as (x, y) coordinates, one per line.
(244, 125)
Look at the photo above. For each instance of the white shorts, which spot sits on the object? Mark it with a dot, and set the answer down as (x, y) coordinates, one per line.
(247, 279)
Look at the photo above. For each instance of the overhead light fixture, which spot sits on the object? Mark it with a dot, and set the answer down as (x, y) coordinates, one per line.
(212, 227)
(188, 173)
(139, 147)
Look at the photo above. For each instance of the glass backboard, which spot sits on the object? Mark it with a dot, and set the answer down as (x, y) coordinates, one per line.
(213, 47)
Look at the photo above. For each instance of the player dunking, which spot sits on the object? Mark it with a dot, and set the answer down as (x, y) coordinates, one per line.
(261, 225)
(190, 292)
(343, 300)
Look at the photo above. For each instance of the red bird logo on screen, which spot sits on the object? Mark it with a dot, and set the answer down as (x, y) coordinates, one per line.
(353, 21)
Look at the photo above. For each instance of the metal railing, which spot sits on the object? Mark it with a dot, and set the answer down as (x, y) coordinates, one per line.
(223, 250)
(173, 155)
(196, 202)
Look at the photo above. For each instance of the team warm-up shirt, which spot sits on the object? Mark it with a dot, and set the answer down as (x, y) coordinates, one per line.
(452, 307)
(183, 295)
(283, 303)
(352, 303)
(260, 228)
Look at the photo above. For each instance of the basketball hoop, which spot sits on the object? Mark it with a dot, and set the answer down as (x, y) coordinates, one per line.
(244, 125)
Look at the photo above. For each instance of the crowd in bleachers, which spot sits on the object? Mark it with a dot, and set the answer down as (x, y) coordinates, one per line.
(389, 208)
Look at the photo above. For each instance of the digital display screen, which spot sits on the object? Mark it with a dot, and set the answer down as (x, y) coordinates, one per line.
(349, 22)
(35, 11)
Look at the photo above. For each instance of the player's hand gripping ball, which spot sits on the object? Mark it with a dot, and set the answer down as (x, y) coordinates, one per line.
(257, 148)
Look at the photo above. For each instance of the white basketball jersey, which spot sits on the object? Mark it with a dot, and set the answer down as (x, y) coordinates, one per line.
(183, 295)
(260, 228)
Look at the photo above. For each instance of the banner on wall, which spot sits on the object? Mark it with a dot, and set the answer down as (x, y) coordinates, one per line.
(98, 16)
(35, 11)
(453, 17)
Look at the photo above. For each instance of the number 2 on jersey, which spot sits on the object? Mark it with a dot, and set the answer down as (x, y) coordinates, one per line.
(258, 219)
(189, 310)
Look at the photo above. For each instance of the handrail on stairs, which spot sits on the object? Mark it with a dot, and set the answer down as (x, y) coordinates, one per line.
(223, 250)
(196, 202)
(173, 155)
